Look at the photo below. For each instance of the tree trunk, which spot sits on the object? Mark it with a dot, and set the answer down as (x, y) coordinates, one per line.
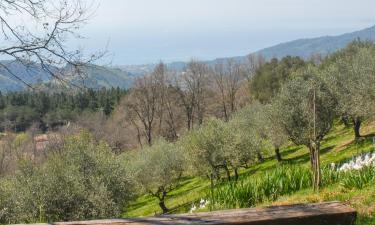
(346, 121)
(315, 164)
(357, 127)
(278, 155)
(149, 135)
(260, 157)
(228, 172)
(139, 137)
(226, 117)
(163, 207)
(189, 121)
(212, 190)
(236, 174)
(162, 203)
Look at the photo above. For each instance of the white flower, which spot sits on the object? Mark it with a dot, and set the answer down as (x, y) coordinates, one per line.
(357, 163)
(193, 208)
(203, 203)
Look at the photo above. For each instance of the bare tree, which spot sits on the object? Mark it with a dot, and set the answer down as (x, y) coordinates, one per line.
(192, 87)
(41, 41)
(227, 79)
(174, 112)
(167, 103)
(253, 63)
(146, 102)
(131, 133)
(160, 76)
(142, 102)
(187, 99)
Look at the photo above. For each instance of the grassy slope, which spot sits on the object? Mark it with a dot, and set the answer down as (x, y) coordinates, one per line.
(337, 146)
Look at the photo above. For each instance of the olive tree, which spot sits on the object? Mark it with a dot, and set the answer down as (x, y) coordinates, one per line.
(305, 107)
(85, 180)
(158, 169)
(244, 144)
(254, 121)
(263, 119)
(273, 129)
(206, 148)
(352, 80)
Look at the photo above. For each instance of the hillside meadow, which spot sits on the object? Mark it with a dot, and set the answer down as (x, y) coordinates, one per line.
(339, 146)
(230, 135)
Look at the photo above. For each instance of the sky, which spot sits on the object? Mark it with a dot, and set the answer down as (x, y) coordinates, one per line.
(149, 31)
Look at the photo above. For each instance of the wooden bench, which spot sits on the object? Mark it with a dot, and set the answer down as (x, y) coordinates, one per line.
(329, 213)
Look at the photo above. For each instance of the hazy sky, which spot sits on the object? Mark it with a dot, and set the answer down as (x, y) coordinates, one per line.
(146, 31)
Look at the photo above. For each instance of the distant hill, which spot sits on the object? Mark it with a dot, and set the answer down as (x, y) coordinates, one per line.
(7, 84)
(302, 47)
(122, 76)
(323, 45)
(94, 77)
(104, 77)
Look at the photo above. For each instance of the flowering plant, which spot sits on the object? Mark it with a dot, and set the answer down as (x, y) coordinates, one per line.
(202, 204)
(357, 163)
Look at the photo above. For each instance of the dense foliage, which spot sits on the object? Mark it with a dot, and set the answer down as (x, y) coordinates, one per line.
(350, 75)
(269, 77)
(19, 110)
(82, 180)
(158, 169)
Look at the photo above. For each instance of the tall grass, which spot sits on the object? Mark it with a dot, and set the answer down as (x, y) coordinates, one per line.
(357, 178)
(358, 172)
(272, 184)
(284, 180)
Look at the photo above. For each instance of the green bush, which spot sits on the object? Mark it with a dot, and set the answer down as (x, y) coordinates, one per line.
(83, 181)
(158, 169)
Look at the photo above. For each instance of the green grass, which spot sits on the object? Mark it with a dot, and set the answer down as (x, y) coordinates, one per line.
(178, 200)
(282, 180)
(337, 147)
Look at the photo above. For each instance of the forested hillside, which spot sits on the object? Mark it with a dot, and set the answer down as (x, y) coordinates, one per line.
(47, 111)
(20, 76)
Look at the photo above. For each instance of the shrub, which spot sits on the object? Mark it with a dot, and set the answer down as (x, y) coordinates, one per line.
(84, 181)
(158, 169)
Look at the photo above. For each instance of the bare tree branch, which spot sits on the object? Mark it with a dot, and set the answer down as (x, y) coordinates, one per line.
(41, 40)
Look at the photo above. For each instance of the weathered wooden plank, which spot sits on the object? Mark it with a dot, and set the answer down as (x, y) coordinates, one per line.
(329, 213)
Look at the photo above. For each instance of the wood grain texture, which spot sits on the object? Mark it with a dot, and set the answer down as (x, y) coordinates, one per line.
(328, 213)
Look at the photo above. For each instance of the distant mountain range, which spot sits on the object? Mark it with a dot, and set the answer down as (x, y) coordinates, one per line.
(122, 76)
(93, 76)
(302, 47)
(323, 45)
